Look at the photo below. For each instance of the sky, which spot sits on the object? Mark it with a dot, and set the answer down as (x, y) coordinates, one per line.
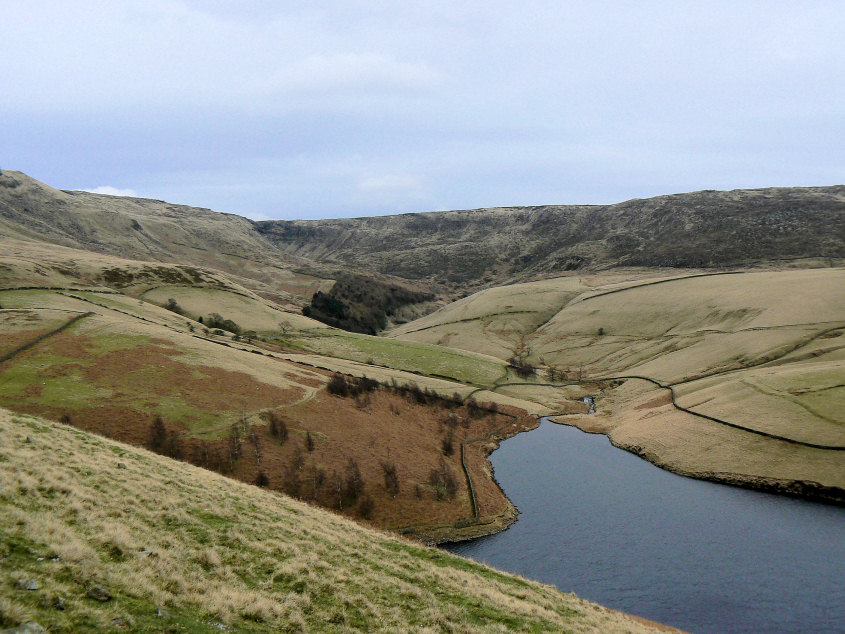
(324, 109)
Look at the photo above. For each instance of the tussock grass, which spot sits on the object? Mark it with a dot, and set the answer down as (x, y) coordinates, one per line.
(180, 548)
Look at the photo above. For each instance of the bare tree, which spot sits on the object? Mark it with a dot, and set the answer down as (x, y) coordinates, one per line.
(278, 427)
(353, 484)
(234, 442)
(255, 439)
(391, 477)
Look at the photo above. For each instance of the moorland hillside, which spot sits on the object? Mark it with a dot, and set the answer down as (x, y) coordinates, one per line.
(678, 359)
(151, 231)
(449, 251)
(182, 330)
(712, 229)
(734, 377)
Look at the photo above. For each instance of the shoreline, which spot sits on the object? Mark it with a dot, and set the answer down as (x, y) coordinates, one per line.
(808, 490)
(466, 530)
(482, 526)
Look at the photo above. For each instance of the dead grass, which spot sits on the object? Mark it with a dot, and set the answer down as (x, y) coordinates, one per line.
(182, 548)
(733, 329)
(249, 311)
(112, 373)
(637, 417)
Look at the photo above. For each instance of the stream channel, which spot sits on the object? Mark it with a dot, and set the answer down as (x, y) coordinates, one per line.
(704, 557)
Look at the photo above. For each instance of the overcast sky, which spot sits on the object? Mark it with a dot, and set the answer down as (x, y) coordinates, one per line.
(345, 108)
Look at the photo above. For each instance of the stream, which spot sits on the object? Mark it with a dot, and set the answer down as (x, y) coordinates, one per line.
(704, 557)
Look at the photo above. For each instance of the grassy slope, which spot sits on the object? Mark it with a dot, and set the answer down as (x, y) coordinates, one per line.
(733, 330)
(422, 358)
(247, 310)
(493, 321)
(149, 230)
(471, 248)
(184, 549)
(112, 371)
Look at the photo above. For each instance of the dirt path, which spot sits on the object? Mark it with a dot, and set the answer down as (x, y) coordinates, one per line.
(311, 392)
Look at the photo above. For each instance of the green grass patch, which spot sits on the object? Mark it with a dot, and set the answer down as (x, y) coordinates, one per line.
(68, 390)
(421, 358)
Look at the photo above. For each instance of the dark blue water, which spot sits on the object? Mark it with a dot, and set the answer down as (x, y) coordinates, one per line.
(613, 528)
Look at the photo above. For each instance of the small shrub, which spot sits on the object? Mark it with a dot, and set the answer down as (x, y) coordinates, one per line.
(366, 507)
(215, 320)
(171, 305)
(337, 385)
(65, 419)
(443, 481)
(447, 444)
(209, 559)
(158, 434)
(522, 367)
(391, 478)
(261, 479)
(450, 420)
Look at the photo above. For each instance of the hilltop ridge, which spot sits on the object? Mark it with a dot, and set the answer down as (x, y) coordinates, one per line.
(444, 251)
(482, 246)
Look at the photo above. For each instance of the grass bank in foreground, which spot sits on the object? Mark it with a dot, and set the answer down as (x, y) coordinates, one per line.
(95, 533)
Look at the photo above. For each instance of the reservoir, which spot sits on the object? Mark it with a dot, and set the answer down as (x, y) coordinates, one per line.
(704, 557)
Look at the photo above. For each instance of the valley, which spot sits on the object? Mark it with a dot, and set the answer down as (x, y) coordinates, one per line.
(718, 353)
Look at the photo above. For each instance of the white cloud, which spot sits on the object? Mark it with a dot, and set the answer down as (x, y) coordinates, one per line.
(389, 182)
(359, 107)
(112, 191)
